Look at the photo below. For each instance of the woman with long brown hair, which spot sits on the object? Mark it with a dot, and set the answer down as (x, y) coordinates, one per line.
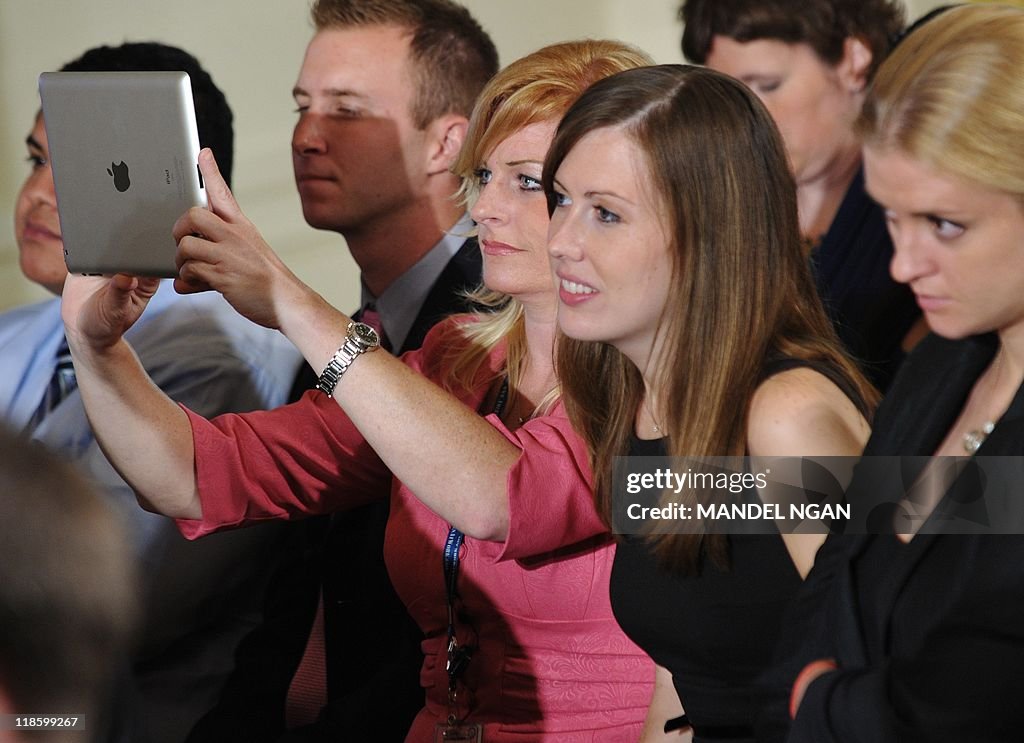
(693, 329)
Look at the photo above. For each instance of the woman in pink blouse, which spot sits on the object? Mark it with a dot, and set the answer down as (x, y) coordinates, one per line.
(492, 542)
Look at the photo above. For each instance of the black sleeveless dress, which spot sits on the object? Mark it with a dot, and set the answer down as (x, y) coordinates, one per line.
(714, 631)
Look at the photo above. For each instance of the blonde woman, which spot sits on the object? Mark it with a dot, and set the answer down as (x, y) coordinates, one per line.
(926, 629)
(492, 540)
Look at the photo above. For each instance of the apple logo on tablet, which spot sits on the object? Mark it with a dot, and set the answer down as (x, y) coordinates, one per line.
(119, 171)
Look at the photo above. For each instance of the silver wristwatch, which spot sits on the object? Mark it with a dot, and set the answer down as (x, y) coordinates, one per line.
(360, 339)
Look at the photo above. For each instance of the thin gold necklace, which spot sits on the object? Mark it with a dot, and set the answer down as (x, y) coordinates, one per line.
(655, 426)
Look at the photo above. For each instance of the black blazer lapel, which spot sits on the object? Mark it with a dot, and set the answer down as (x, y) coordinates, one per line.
(844, 613)
(928, 394)
(462, 274)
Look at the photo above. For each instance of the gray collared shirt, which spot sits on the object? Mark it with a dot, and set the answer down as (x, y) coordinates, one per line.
(401, 302)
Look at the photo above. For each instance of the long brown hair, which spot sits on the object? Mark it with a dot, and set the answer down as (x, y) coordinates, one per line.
(743, 290)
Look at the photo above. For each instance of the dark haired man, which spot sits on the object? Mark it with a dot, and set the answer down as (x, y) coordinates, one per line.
(197, 602)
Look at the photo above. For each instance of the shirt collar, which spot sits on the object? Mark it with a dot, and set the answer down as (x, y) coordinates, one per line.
(400, 303)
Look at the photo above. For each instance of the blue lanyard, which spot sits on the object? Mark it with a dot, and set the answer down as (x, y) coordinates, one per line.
(459, 655)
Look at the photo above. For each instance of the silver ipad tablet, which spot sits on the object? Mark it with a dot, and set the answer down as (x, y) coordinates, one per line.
(124, 151)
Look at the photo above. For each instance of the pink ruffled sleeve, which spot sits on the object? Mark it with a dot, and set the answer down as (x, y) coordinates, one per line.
(302, 459)
(549, 488)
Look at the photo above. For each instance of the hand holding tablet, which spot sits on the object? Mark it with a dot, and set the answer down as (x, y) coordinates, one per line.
(221, 249)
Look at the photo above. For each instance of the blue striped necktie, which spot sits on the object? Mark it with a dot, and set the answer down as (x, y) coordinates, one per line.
(62, 384)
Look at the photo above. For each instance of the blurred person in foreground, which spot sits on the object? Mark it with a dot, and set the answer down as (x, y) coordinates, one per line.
(68, 596)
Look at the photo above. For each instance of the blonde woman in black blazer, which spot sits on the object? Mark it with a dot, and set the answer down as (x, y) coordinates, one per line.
(922, 632)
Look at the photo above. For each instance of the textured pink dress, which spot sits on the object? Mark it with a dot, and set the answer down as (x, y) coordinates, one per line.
(552, 663)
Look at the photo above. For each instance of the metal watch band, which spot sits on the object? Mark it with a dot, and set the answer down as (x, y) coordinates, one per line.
(359, 339)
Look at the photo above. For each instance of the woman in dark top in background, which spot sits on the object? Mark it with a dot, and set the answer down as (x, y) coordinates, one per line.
(925, 632)
(810, 61)
(695, 330)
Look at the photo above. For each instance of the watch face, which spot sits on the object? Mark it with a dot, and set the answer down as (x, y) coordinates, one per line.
(364, 335)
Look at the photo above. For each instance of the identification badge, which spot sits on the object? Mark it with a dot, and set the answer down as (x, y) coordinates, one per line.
(458, 733)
